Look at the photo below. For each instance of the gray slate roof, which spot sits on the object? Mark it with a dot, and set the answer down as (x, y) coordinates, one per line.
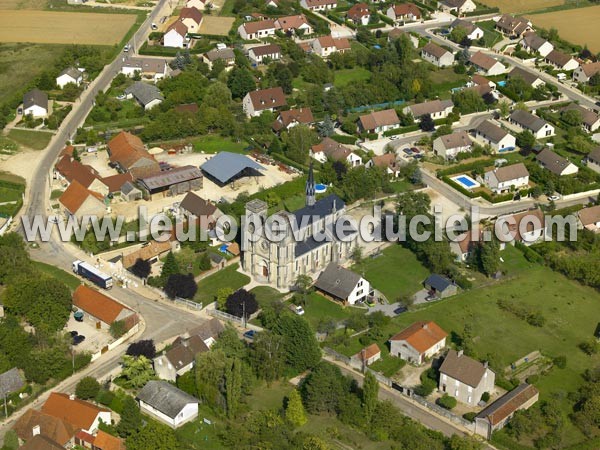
(491, 131)
(528, 77)
(11, 381)
(225, 165)
(463, 368)
(527, 120)
(165, 397)
(552, 161)
(337, 281)
(438, 282)
(225, 53)
(35, 97)
(144, 92)
(170, 177)
(72, 72)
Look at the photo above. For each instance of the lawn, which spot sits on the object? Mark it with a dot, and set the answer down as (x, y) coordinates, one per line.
(214, 144)
(490, 36)
(228, 277)
(36, 140)
(319, 308)
(570, 310)
(445, 79)
(69, 279)
(345, 77)
(395, 272)
(266, 295)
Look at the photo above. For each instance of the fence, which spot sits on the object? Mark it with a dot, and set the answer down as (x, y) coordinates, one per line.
(213, 311)
(376, 106)
(444, 412)
(132, 331)
(188, 303)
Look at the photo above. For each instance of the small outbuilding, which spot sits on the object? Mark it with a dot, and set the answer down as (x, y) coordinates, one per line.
(167, 404)
(440, 286)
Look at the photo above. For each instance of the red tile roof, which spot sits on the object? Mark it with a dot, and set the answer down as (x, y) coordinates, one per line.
(267, 98)
(368, 352)
(75, 195)
(97, 304)
(116, 182)
(191, 13)
(358, 11)
(405, 9)
(421, 335)
(74, 170)
(78, 413)
(105, 441)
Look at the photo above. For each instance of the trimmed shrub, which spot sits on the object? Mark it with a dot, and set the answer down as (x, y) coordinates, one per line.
(447, 402)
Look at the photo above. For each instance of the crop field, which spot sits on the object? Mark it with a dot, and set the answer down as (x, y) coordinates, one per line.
(23, 4)
(214, 25)
(520, 6)
(579, 26)
(49, 27)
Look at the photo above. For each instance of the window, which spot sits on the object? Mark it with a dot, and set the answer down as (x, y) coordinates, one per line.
(456, 392)
(469, 399)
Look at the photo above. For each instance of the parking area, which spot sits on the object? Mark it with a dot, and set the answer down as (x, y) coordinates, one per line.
(94, 339)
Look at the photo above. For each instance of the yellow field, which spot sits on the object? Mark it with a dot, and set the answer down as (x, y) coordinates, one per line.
(214, 25)
(48, 27)
(579, 26)
(520, 6)
(23, 4)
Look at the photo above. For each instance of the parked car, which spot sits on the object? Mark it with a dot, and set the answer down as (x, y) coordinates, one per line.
(554, 197)
(370, 302)
(78, 316)
(250, 334)
(408, 151)
(393, 138)
(126, 48)
(400, 309)
(73, 333)
(415, 150)
(121, 97)
(298, 309)
(154, 26)
(78, 339)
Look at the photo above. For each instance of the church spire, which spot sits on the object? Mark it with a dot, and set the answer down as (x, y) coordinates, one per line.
(310, 187)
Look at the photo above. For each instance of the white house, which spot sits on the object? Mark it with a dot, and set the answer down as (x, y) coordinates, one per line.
(529, 77)
(81, 415)
(343, 284)
(35, 103)
(256, 102)
(499, 139)
(464, 378)
(257, 30)
(561, 60)
(555, 163)
(451, 145)
(586, 71)
(533, 43)
(486, 64)
(359, 13)
(292, 117)
(388, 162)
(589, 218)
(198, 4)
(270, 52)
(513, 26)
(167, 404)
(318, 5)
(179, 359)
(405, 12)
(69, 75)
(593, 160)
(326, 45)
(147, 95)
(150, 68)
(473, 31)
(503, 179)
(297, 24)
(419, 342)
(527, 227)
(437, 55)
(191, 18)
(328, 149)
(458, 6)
(527, 121)
(175, 35)
(437, 109)
(378, 121)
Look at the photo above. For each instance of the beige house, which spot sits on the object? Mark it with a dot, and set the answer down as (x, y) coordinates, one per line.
(436, 55)
(527, 121)
(593, 160)
(324, 46)
(452, 144)
(586, 71)
(487, 65)
(555, 163)
(437, 109)
(589, 218)
(464, 378)
(561, 60)
(366, 356)
(79, 201)
(457, 6)
(503, 179)
(419, 342)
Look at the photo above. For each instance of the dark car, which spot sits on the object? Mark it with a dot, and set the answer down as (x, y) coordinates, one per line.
(78, 339)
(400, 310)
(415, 150)
(78, 316)
(250, 334)
(73, 333)
(408, 151)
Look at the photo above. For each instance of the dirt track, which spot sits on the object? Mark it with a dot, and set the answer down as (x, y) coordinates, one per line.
(49, 27)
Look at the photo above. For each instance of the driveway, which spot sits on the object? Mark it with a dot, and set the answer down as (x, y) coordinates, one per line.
(388, 309)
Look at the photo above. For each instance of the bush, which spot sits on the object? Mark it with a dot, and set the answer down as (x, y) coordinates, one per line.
(447, 402)
(560, 361)
(470, 416)
(505, 384)
(485, 397)
(532, 379)
(87, 388)
(343, 139)
(180, 285)
(426, 387)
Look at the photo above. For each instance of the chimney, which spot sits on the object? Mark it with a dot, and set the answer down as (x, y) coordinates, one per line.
(425, 326)
(460, 353)
(35, 430)
(71, 396)
(485, 364)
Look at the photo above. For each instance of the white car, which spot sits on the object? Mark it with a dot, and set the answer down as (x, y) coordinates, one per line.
(393, 138)
(121, 97)
(554, 198)
(126, 48)
(154, 26)
(298, 309)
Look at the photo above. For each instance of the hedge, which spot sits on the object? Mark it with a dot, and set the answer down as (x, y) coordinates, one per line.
(530, 254)
(386, 19)
(284, 159)
(343, 139)
(468, 167)
(492, 198)
(401, 130)
(481, 12)
(424, 6)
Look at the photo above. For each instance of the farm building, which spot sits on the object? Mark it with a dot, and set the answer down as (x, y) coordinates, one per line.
(440, 286)
(101, 309)
(173, 182)
(226, 167)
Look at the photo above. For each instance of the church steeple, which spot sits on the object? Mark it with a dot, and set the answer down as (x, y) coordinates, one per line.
(310, 187)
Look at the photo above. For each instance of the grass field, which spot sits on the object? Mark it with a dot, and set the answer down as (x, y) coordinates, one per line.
(49, 27)
(570, 310)
(579, 26)
(23, 4)
(35, 140)
(318, 308)
(216, 26)
(520, 6)
(395, 272)
(215, 144)
(344, 77)
(228, 277)
(69, 279)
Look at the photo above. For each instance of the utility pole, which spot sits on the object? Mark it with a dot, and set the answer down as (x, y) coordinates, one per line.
(5, 405)
(244, 313)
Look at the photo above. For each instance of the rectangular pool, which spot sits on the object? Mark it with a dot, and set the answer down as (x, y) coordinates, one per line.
(466, 181)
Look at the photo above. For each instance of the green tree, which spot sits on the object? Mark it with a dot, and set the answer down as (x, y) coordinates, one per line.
(87, 388)
(294, 411)
(210, 380)
(469, 101)
(118, 328)
(240, 82)
(489, 255)
(268, 356)
(447, 402)
(326, 128)
(458, 34)
(525, 140)
(170, 267)
(315, 443)
(323, 388)
(131, 418)
(303, 285)
(301, 346)
(217, 94)
(370, 394)
(137, 371)
(222, 296)
(11, 440)
(155, 436)
(233, 388)
(298, 141)
(464, 443)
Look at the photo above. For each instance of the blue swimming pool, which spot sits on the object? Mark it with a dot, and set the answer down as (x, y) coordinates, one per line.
(320, 188)
(466, 181)
(501, 83)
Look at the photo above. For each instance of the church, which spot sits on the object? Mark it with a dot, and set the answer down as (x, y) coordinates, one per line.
(310, 241)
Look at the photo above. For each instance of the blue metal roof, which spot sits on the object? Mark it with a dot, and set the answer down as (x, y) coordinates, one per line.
(225, 165)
